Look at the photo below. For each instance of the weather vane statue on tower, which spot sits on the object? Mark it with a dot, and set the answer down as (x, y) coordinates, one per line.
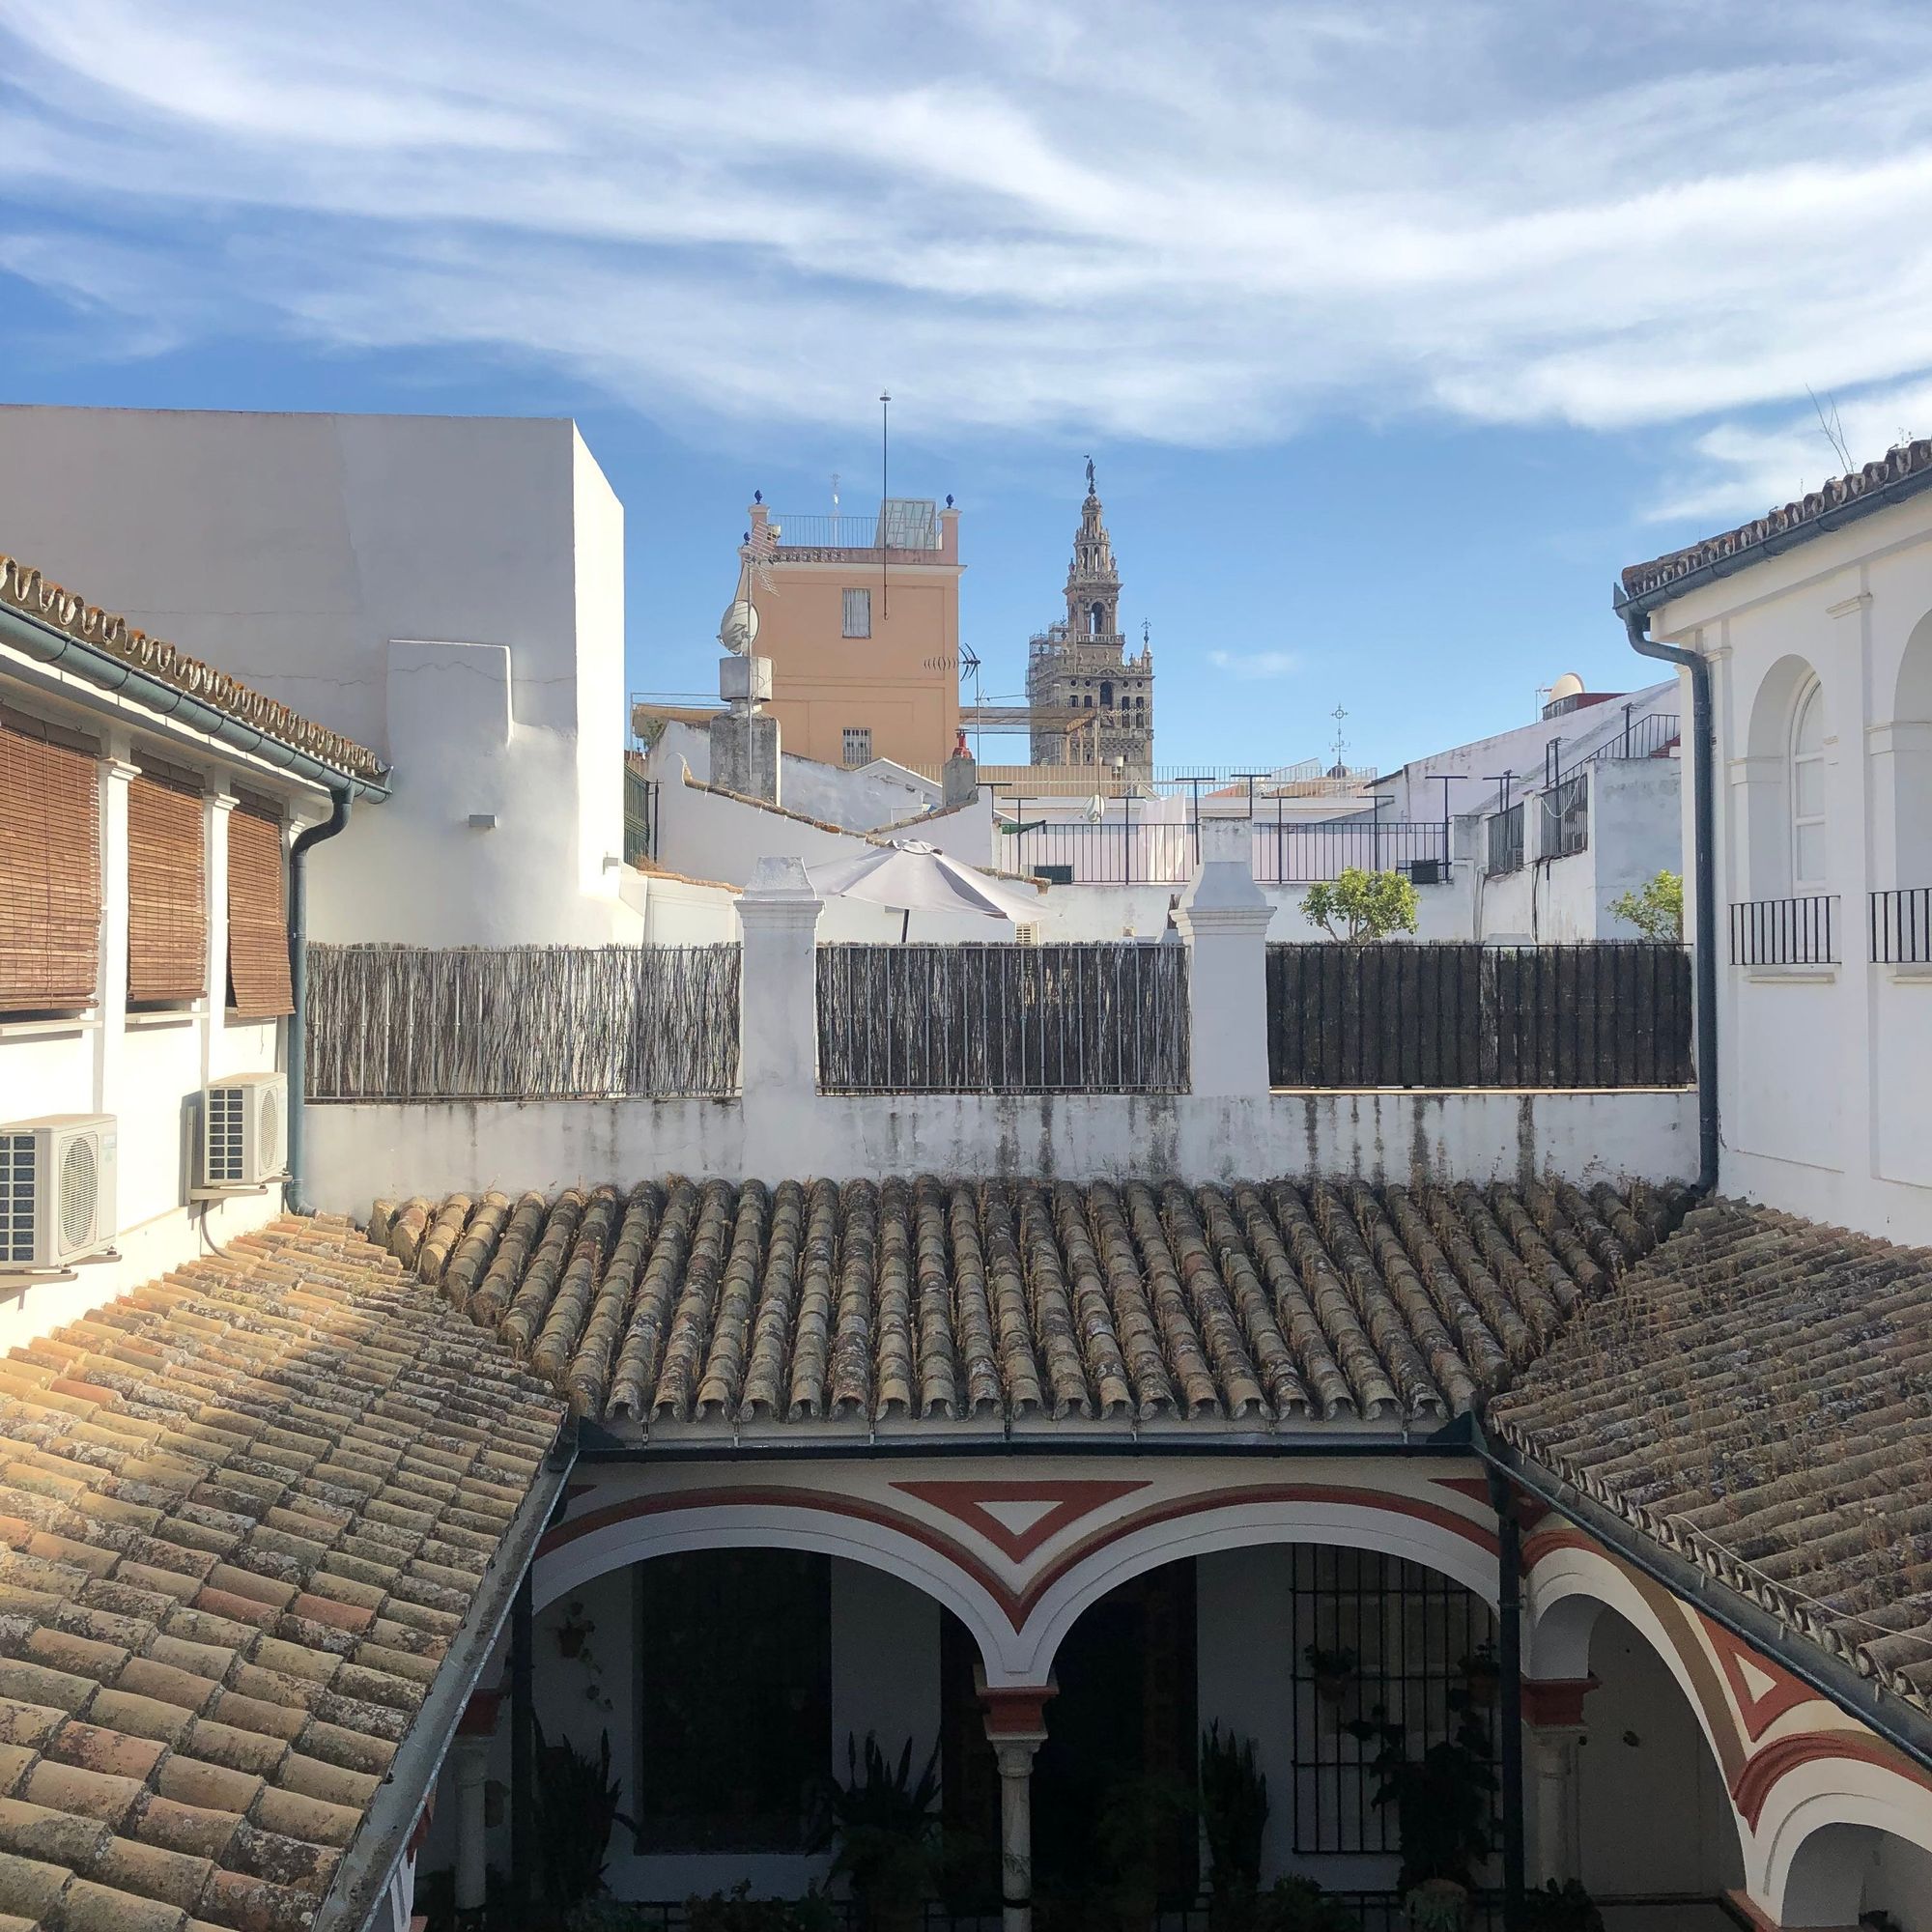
(1090, 476)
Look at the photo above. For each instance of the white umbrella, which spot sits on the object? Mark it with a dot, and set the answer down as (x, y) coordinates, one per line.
(918, 877)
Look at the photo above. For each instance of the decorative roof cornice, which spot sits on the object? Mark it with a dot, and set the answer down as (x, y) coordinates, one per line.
(24, 590)
(1909, 463)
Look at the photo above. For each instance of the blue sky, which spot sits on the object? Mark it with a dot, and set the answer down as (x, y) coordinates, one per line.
(1395, 328)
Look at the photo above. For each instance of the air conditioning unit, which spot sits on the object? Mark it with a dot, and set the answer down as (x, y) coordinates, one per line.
(244, 1130)
(56, 1189)
(1425, 871)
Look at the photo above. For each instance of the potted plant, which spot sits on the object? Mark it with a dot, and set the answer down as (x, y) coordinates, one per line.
(1443, 1802)
(887, 1830)
(576, 1811)
(1136, 1819)
(574, 1631)
(1482, 1675)
(1301, 1905)
(1233, 1813)
(1333, 1671)
(1560, 1908)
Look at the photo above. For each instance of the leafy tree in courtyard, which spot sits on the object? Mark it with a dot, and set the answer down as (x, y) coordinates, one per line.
(1656, 908)
(1366, 906)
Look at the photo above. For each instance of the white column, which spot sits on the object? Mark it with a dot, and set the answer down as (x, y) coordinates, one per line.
(1553, 1733)
(778, 1007)
(1015, 1761)
(469, 1760)
(1556, 1850)
(115, 775)
(1017, 1729)
(1224, 917)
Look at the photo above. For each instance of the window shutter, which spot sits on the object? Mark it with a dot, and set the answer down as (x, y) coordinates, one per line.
(258, 919)
(49, 869)
(167, 888)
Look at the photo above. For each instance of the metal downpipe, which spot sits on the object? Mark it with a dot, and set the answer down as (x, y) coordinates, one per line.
(1704, 859)
(295, 1193)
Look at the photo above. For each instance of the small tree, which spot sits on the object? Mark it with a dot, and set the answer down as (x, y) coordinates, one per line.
(1656, 908)
(1369, 905)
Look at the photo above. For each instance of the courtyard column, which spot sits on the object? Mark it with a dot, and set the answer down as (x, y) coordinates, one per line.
(1224, 917)
(470, 1767)
(1552, 1713)
(1017, 1729)
(778, 1006)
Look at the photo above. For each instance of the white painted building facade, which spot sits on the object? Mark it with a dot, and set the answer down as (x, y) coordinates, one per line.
(448, 591)
(1821, 665)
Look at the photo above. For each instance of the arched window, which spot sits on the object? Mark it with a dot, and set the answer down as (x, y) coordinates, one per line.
(1809, 860)
(1106, 696)
(1097, 619)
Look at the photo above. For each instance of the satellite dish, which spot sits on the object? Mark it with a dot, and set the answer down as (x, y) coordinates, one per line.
(738, 628)
(1569, 685)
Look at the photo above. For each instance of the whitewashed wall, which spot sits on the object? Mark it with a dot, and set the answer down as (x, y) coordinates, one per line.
(1635, 832)
(861, 800)
(445, 590)
(1824, 1067)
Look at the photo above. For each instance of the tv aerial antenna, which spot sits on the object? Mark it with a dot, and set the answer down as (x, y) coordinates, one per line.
(969, 666)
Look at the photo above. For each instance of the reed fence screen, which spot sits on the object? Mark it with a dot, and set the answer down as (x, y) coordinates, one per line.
(1106, 1018)
(1613, 1013)
(520, 1022)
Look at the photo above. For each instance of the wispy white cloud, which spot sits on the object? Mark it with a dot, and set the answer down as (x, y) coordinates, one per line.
(1256, 664)
(1740, 471)
(1220, 221)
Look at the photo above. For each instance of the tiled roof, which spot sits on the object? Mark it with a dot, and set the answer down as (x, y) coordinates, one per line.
(26, 590)
(1796, 522)
(918, 1302)
(1758, 1398)
(242, 1513)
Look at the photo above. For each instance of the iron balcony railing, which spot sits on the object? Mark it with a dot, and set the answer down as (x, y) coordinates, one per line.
(1506, 842)
(1901, 925)
(1566, 817)
(1800, 931)
(1123, 852)
(910, 526)
(1645, 737)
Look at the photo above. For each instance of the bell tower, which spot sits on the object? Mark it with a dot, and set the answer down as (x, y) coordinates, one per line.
(1080, 665)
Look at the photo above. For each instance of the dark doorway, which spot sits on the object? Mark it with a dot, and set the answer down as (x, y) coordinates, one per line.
(1118, 1769)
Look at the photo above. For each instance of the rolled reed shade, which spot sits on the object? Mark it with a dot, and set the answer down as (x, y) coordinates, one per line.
(49, 869)
(167, 888)
(257, 916)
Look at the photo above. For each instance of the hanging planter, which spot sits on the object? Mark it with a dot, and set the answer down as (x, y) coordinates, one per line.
(1334, 1672)
(574, 1632)
(1481, 1676)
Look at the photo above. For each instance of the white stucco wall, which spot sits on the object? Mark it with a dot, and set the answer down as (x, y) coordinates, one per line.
(1824, 1067)
(860, 800)
(1636, 830)
(445, 590)
(363, 1152)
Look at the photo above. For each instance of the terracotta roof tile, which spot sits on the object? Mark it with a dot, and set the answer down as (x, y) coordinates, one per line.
(1755, 1398)
(916, 1299)
(1908, 464)
(24, 590)
(196, 1708)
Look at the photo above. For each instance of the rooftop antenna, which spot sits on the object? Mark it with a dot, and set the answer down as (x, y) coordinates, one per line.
(885, 456)
(969, 666)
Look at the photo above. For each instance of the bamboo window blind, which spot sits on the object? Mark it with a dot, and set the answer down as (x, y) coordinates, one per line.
(49, 868)
(167, 888)
(258, 922)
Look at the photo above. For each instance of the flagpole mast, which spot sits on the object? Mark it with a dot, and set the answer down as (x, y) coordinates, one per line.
(885, 455)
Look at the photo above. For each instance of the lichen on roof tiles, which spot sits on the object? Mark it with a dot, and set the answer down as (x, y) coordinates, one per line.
(916, 1300)
(1755, 1397)
(243, 1511)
